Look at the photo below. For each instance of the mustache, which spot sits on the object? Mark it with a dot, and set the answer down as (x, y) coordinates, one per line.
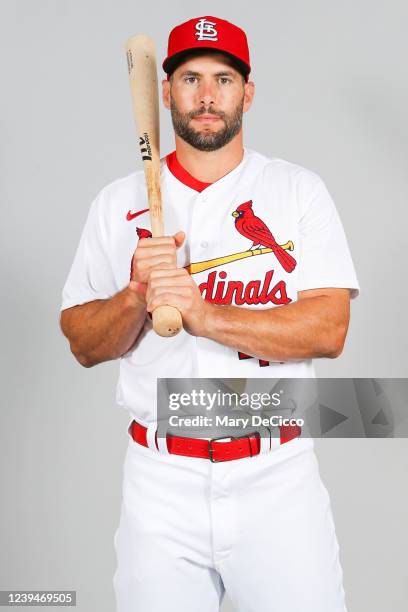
(209, 111)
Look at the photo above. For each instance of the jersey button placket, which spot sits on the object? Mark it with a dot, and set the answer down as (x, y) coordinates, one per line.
(201, 216)
(199, 223)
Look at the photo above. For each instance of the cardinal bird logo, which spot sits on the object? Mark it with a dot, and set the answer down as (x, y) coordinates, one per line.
(143, 233)
(254, 228)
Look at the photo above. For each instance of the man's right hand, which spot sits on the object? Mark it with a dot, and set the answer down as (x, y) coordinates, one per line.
(153, 254)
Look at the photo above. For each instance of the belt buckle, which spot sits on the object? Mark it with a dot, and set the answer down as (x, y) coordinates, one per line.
(211, 450)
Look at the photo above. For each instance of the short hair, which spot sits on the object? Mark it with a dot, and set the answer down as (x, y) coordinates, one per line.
(184, 56)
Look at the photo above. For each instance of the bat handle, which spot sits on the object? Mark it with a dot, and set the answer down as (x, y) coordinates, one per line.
(166, 321)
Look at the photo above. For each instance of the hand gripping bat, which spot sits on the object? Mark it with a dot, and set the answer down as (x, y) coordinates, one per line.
(141, 58)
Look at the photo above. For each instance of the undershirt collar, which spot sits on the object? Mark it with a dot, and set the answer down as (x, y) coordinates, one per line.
(182, 175)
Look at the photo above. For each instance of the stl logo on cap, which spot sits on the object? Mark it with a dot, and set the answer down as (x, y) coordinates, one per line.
(205, 30)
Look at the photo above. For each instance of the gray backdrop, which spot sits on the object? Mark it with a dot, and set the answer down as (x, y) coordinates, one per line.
(332, 96)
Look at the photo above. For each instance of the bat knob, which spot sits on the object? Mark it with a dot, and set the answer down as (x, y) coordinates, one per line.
(167, 321)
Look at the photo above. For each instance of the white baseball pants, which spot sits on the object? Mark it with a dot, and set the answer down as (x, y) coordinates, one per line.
(260, 528)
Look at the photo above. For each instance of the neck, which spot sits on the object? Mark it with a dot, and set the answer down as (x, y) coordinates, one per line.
(210, 166)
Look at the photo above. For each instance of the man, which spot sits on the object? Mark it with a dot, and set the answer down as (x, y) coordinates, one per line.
(257, 262)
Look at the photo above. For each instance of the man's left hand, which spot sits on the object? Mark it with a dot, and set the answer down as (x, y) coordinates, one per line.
(177, 288)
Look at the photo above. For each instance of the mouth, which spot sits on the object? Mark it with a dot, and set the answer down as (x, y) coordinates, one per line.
(235, 214)
(206, 118)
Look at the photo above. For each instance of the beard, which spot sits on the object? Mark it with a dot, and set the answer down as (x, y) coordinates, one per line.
(207, 140)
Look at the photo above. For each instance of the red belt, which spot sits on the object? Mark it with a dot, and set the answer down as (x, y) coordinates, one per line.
(214, 449)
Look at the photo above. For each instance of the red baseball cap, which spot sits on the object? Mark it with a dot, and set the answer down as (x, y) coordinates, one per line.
(207, 33)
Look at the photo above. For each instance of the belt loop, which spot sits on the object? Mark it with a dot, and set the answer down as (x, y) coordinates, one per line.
(161, 439)
(265, 439)
(274, 438)
(275, 443)
(265, 442)
(162, 444)
(151, 436)
(129, 429)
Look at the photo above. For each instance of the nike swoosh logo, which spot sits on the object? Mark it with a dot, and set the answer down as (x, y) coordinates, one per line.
(131, 215)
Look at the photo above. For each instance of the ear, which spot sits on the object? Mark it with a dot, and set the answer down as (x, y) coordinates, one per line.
(248, 95)
(166, 93)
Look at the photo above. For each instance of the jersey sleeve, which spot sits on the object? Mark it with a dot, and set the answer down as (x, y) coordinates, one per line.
(91, 275)
(325, 259)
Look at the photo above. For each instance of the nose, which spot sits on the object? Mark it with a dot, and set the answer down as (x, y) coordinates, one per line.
(206, 93)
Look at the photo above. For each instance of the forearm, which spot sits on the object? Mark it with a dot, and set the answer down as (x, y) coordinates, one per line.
(103, 330)
(302, 330)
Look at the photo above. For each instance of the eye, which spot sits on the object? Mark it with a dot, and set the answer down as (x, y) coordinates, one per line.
(225, 80)
(189, 79)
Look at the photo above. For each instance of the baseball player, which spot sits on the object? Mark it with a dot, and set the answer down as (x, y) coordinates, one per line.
(257, 262)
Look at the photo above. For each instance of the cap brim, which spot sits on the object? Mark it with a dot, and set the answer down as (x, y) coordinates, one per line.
(171, 63)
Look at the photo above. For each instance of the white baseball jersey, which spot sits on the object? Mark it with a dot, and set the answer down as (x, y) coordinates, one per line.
(282, 203)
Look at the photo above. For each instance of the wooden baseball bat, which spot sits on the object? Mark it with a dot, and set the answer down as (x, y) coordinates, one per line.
(141, 58)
